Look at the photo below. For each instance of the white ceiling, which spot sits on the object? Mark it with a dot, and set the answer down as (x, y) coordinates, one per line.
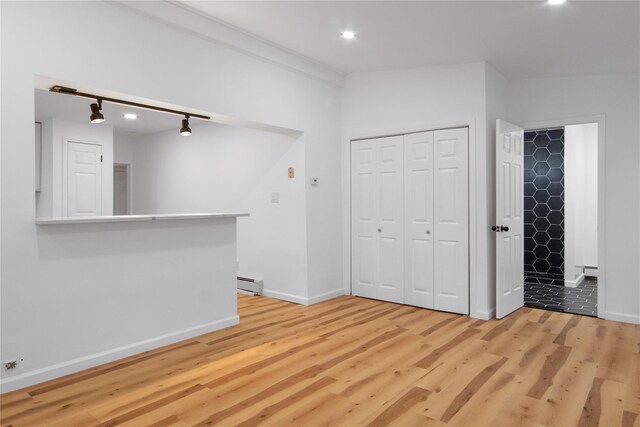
(75, 108)
(522, 39)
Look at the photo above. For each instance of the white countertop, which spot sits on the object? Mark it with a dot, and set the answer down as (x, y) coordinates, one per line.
(131, 218)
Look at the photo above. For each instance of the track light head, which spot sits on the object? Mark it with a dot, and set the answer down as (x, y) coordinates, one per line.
(185, 130)
(96, 115)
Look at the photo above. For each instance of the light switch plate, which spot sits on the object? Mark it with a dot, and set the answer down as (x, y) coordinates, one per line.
(275, 197)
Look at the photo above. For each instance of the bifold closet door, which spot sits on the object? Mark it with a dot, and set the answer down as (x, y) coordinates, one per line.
(451, 220)
(410, 219)
(418, 214)
(377, 218)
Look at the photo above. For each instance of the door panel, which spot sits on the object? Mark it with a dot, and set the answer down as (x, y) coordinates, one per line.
(451, 218)
(363, 213)
(377, 209)
(509, 219)
(418, 163)
(390, 223)
(84, 179)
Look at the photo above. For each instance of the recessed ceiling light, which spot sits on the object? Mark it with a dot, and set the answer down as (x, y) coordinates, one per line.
(348, 35)
(130, 116)
(556, 1)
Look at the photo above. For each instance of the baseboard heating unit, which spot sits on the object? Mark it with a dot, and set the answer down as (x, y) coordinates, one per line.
(249, 285)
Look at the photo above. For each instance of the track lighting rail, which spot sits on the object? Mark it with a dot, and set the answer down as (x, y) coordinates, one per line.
(71, 91)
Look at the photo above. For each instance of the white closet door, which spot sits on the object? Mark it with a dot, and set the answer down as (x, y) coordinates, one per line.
(509, 227)
(363, 217)
(418, 196)
(390, 262)
(451, 217)
(84, 179)
(377, 218)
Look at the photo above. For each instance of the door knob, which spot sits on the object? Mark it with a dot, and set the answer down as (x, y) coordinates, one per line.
(379, 230)
(502, 228)
(494, 228)
(428, 231)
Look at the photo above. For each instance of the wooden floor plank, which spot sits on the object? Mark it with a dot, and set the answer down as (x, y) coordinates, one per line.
(354, 361)
(400, 406)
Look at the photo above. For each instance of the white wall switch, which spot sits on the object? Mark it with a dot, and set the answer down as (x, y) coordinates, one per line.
(275, 197)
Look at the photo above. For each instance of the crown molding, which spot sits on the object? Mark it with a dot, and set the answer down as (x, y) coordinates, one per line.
(196, 23)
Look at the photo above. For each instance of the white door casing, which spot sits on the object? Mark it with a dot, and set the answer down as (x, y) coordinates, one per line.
(377, 218)
(84, 179)
(509, 226)
(451, 220)
(418, 252)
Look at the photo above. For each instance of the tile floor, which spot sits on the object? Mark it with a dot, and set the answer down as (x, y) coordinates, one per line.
(581, 300)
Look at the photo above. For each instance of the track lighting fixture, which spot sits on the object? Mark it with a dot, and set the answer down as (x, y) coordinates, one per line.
(185, 130)
(96, 115)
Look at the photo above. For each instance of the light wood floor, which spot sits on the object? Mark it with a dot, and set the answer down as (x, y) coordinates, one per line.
(357, 362)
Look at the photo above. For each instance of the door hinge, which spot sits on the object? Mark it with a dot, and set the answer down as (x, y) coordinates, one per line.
(101, 158)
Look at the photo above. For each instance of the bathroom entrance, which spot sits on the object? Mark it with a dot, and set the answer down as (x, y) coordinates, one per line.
(560, 171)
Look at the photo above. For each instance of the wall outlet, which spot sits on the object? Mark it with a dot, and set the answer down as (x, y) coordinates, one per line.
(10, 364)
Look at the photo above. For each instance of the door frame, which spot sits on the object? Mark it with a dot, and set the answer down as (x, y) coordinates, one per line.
(472, 204)
(600, 120)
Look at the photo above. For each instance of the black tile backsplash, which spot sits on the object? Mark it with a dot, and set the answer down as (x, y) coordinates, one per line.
(544, 205)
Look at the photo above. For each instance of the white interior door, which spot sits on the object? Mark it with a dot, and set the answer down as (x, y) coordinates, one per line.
(509, 227)
(451, 220)
(377, 218)
(418, 214)
(84, 179)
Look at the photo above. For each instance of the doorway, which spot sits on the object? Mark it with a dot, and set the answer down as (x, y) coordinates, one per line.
(121, 202)
(560, 202)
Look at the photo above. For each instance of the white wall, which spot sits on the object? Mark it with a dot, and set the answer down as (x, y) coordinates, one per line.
(55, 132)
(122, 148)
(39, 308)
(617, 98)
(228, 169)
(581, 199)
(395, 101)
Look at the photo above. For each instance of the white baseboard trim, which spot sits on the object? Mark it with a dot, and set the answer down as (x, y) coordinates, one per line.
(303, 300)
(574, 283)
(484, 315)
(591, 271)
(286, 297)
(75, 365)
(622, 317)
(326, 296)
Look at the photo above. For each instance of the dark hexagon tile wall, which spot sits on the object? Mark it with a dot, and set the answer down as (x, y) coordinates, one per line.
(544, 205)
